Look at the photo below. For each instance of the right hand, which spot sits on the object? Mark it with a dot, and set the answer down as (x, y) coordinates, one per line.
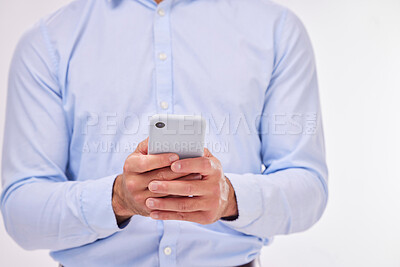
(130, 189)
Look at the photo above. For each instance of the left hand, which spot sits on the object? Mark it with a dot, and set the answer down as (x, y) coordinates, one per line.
(210, 199)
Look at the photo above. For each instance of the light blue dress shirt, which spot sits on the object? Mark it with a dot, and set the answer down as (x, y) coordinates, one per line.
(82, 85)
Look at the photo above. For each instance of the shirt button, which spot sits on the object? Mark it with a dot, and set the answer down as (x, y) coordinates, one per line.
(167, 251)
(164, 105)
(162, 56)
(161, 12)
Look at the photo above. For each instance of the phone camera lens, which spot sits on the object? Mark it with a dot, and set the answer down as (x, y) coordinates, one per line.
(160, 124)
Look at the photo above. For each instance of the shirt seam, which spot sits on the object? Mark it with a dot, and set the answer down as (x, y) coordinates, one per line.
(278, 38)
(50, 51)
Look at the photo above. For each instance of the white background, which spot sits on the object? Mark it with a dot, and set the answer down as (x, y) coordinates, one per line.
(357, 45)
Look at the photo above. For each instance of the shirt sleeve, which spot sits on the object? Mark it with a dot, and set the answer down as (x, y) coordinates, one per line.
(291, 194)
(41, 206)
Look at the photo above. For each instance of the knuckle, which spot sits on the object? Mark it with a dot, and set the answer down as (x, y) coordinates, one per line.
(182, 205)
(192, 205)
(161, 175)
(163, 159)
(127, 166)
(188, 189)
(137, 198)
(131, 185)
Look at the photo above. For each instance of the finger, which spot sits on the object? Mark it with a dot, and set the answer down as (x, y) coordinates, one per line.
(164, 174)
(149, 194)
(181, 204)
(180, 188)
(146, 195)
(202, 165)
(142, 147)
(136, 184)
(138, 163)
(191, 177)
(196, 216)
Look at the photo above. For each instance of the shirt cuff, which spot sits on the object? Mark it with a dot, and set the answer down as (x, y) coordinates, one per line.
(96, 204)
(248, 198)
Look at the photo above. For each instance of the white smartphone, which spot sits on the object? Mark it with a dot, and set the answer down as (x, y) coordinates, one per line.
(180, 134)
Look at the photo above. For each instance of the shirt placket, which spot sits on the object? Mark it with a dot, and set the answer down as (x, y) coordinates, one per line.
(163, 57)
(164, 94)
(167, 251)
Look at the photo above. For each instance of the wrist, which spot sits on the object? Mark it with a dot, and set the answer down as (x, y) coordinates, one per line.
(118, 204)
(231, 210)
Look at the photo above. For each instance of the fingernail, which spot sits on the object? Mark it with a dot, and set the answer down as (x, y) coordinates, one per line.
(154, 215)
(173, 158)
(153, 186)
(176, 166)
(197, 176)
(150, 203)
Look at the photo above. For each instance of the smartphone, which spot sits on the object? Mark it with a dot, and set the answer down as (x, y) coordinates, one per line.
(180, 134)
